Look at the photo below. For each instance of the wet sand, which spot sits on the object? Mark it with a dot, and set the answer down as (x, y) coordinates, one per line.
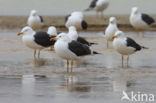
(97, 78)
(95, 23)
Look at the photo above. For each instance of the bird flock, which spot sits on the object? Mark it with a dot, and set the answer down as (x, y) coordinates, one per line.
(70, 46)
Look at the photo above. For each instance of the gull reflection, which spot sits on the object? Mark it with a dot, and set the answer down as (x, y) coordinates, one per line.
(121, 80)
(72, 84)
(28, 84)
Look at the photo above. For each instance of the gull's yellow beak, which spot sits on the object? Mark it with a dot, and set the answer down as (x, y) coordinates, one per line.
(51, 39)
(113, 37)
(20, 33)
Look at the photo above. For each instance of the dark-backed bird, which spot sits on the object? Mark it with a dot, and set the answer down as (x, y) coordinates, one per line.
(98, 6)
(110, 30)
(36, 40)
(74, 36)
(70, 50)
(140, 21)
(35, 21)
(125, 45)
(76, 19)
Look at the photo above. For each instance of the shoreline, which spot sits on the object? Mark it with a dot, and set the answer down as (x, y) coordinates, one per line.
(94, 23)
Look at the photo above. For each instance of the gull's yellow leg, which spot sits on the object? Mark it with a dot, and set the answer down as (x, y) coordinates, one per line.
(127, 60)
(39, 55)
(122, 61)
(72, 66)
(67, 66)
(35, 56)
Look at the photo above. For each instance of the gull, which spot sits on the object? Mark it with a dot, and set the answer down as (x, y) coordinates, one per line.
(36, 40)
(140, 21)
(35, 21)
(110, 30)
(98, 6)
(70, 50)
(76, 19)
(125, 45)
(52, 32)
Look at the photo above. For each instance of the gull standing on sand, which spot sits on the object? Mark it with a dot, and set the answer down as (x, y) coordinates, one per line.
(125, 45)
(73, 35)
(98, 6)
(35, 21)
(70, 50)
(140, 21)
(76, 19)
(110, 30)
(36, 40)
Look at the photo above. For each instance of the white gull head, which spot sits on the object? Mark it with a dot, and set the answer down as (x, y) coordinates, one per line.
(119, 34)
(72, 33)
(27, 30)
(52, 31)
(135, 10)
(112, 20)
(63, 37)
(33, 13)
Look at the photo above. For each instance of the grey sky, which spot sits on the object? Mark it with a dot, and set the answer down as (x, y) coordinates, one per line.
(63, 7)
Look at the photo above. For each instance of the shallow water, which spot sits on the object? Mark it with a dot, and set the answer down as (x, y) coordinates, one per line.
(64, 7)
(95, 79)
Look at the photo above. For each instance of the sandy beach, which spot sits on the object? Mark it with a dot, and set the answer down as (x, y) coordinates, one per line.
(95, 23)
